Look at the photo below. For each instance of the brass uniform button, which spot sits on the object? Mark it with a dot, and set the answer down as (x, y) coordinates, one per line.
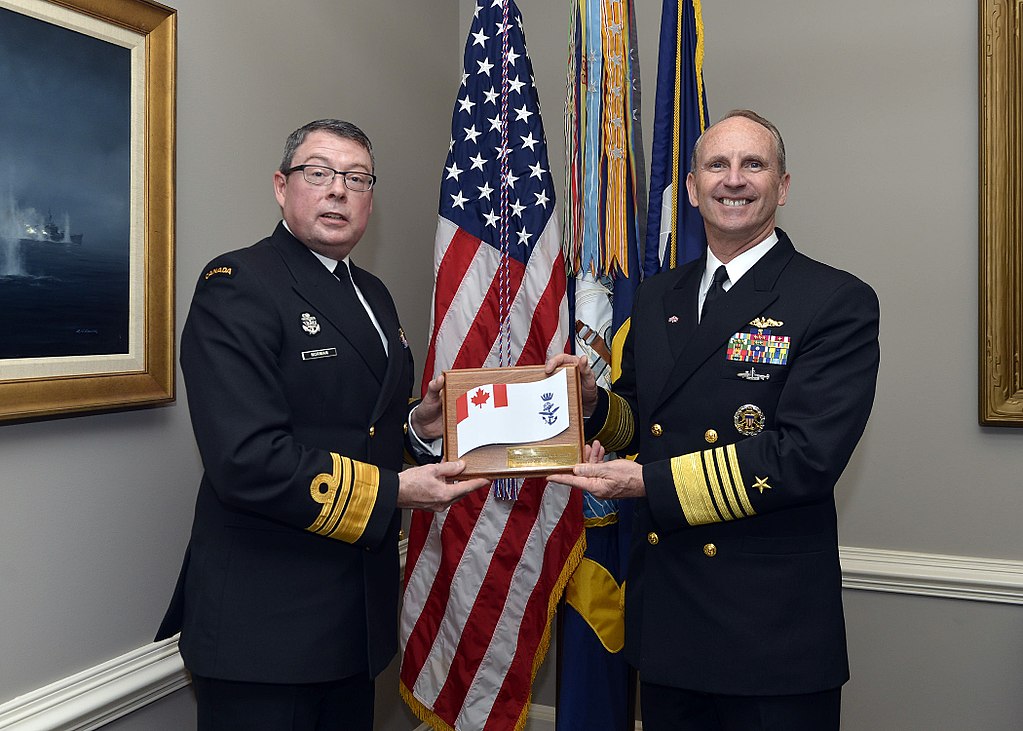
(656, 430)
(401, 535)
(711, 436)
(652, 538)
(404, 427)
(710, 550)
(373, 431)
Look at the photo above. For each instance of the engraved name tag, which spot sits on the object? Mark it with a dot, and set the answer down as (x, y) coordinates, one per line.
(321, 353)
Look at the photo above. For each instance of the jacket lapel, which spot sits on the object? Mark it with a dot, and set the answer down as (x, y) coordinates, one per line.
(750, 296)
(383, 309)
(318, 286)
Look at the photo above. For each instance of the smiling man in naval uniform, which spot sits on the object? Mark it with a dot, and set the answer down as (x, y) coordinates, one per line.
(747, 379)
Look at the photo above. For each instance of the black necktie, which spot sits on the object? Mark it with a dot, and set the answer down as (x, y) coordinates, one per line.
(717, 289)
(367, 336)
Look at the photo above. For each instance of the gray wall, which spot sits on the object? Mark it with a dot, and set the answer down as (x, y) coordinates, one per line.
(878, 105)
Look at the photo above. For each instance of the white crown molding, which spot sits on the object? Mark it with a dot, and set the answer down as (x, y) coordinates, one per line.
(101, 694)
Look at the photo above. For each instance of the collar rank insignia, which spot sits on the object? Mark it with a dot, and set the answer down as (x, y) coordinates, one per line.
(673, 319)
(401, 337)
(749, 420)
(759, 345)
(309, 324)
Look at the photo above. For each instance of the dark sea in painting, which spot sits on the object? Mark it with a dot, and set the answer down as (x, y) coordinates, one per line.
(61, 299)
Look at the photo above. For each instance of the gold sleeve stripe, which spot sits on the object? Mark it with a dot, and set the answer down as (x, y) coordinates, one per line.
(724, 509)
(709, 486)
(347, 496)
(617, 431)
(691, 488)
(726, 481)
(739, 487)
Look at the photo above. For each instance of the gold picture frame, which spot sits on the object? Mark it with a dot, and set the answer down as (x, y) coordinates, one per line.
(1001, 213)
(36, 384)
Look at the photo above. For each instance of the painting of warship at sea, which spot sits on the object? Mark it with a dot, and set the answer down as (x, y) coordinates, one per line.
(65, 192)
(62, 299)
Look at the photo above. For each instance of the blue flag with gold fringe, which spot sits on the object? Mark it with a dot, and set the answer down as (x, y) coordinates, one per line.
(674, 232)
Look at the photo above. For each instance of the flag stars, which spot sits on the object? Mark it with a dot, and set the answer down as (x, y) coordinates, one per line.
(457, 201)
(477, 162)
(453, 172)
(516, 85)
(524, 237)
(485, 191)
(510, 179)
(512, 57)
(522, 114)
(485, 67)
(492, 219)
(466, 104)
(491, 96)
(465, 77)
(517, 208)
(495, 123)
(529, 141)
(480, 39)
(471, 134)
(542, 199)
(536, 171)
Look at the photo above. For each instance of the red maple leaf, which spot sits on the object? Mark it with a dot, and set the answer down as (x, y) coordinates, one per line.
(480, 397)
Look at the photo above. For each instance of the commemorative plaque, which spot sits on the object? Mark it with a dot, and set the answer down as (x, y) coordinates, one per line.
(513, 422)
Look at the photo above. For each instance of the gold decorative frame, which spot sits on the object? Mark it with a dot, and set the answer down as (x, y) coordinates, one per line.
(1001, 213)
(34, 387)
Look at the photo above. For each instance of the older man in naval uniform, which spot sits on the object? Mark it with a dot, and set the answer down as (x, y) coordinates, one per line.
(298, 378)
(747, 379)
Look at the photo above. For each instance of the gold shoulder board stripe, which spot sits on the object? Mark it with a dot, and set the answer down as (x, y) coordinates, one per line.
(347, 496)
(709, 486)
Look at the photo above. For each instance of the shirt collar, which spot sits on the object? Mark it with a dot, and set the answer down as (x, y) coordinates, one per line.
(738, 266)
(325, 260)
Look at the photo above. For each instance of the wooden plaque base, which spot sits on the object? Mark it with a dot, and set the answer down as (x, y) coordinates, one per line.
(530, 459)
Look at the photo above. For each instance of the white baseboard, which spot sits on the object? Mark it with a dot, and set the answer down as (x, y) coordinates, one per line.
(108, 691)
(97, 696)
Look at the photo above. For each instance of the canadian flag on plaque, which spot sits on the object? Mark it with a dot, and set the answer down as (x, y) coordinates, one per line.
(512, 413)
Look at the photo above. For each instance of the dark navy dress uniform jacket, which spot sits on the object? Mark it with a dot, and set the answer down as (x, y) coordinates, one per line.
(743, 424)
(291, 573)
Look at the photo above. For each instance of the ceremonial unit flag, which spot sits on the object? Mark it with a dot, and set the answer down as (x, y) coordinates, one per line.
(604, 205)
(674, 233)
(483, 578)
(512, 413)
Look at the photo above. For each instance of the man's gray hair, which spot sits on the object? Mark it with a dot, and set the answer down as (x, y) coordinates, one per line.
(337, 127)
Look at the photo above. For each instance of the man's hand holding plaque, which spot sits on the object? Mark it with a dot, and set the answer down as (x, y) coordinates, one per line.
(513, 422)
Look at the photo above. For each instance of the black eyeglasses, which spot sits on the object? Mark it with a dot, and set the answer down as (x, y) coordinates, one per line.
(354, 180)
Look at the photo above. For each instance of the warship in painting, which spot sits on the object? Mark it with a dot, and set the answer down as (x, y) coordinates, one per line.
(48, 233)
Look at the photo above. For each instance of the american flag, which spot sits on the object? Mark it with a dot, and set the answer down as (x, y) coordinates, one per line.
(483, 578)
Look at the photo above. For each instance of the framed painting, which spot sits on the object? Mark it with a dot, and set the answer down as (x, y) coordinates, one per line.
(86, 206)
(1001, 213)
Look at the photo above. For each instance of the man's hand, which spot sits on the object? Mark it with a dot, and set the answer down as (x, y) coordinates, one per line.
(587, 379)
(428, 417)
(427, 488)
(619, 478)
